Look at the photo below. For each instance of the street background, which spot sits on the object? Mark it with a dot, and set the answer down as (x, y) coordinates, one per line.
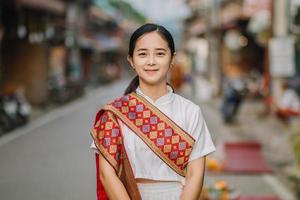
(61, 60)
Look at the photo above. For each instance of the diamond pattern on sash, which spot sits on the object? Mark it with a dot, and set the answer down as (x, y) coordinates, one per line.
(109, 135)
(160, 134)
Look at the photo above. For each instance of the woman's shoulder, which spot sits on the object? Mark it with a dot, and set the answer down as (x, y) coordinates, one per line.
(189, 111)
(187, 104)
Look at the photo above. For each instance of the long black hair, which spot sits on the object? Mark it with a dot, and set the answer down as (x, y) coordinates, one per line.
(147, 28)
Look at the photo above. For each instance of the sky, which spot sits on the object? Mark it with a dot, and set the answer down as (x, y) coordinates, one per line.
(160, 11)
(168, 13)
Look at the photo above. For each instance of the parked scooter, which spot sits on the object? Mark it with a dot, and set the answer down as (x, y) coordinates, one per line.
(63, 92)
(14, 110)
(8, 112)
(23, 109)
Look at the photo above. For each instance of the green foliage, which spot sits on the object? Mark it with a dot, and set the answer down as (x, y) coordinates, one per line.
(128, 11)
(295, 180)
(294, 173)
(295, 140)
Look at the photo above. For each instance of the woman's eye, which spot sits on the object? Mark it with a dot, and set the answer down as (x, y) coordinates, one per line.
(160, 53)
(142, 54)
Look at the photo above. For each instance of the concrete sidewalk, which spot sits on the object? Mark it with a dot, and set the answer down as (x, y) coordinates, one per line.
(274, 138)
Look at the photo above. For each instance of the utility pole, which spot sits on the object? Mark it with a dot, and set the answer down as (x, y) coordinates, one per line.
(280, 30)
(213, 38)
(72, 18)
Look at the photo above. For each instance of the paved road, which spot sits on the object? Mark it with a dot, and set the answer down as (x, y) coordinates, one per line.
(50, 158)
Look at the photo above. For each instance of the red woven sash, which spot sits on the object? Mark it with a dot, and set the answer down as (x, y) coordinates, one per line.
(166, 139)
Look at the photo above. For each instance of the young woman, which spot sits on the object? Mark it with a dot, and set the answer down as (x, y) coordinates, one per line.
(151, 143)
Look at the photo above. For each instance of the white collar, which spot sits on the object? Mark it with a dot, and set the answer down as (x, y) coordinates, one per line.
(166, 98)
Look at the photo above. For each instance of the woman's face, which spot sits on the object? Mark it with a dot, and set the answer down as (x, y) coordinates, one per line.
(151, 59)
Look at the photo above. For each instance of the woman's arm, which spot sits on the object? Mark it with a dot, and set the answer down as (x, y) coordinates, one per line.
(111, 182)
(194, 180)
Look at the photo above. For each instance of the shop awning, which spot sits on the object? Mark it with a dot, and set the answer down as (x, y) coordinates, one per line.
(55, 6)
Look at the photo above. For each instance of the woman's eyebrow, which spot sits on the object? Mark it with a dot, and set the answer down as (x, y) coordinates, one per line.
(161, 49)
(142, 49)
(157, 49)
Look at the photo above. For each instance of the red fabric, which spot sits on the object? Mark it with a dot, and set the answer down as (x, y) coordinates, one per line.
(285, 113)
(282, 113)
(175, 144)
(101, 194)
(245, 157)
(155, 128)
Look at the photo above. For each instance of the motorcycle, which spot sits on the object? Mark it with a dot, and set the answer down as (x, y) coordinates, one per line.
(14, 110)
(8, 111)
(234, 92)
(23, 107)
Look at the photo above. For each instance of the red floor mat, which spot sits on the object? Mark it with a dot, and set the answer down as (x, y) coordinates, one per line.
(258, 198)
(245, 157)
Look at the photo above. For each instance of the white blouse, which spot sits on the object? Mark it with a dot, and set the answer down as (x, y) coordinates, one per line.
(146, 164)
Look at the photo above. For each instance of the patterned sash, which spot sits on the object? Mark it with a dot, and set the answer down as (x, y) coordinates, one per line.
(165, 138)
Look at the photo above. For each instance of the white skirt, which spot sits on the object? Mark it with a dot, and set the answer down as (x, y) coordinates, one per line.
(160, 191)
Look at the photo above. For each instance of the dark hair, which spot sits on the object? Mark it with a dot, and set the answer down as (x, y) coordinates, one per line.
(147, 28)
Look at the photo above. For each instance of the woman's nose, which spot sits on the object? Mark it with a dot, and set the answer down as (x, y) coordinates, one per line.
(151, 60)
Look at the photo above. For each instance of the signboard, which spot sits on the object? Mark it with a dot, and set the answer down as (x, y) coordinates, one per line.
(282, 57)
(250, 7)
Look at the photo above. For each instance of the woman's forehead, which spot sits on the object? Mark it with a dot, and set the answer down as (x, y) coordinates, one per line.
(151, 40)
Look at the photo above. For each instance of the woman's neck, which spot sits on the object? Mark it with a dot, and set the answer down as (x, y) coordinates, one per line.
(154, 91)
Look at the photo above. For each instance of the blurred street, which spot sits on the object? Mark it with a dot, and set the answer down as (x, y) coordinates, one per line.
(253, 128)
(51, 159)
(61, 60)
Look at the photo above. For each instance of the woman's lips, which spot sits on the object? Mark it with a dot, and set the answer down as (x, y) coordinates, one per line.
(151, 71)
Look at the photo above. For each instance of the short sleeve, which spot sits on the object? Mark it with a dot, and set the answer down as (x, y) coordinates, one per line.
(203, 141)
(93, 147)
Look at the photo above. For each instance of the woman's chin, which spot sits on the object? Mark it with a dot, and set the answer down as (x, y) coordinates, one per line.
(153, 81)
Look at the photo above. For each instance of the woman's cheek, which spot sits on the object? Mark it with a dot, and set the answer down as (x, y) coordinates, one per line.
(140, 61)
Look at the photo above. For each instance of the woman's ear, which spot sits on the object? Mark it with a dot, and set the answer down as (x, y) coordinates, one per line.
(129, 59)
(173, 59)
